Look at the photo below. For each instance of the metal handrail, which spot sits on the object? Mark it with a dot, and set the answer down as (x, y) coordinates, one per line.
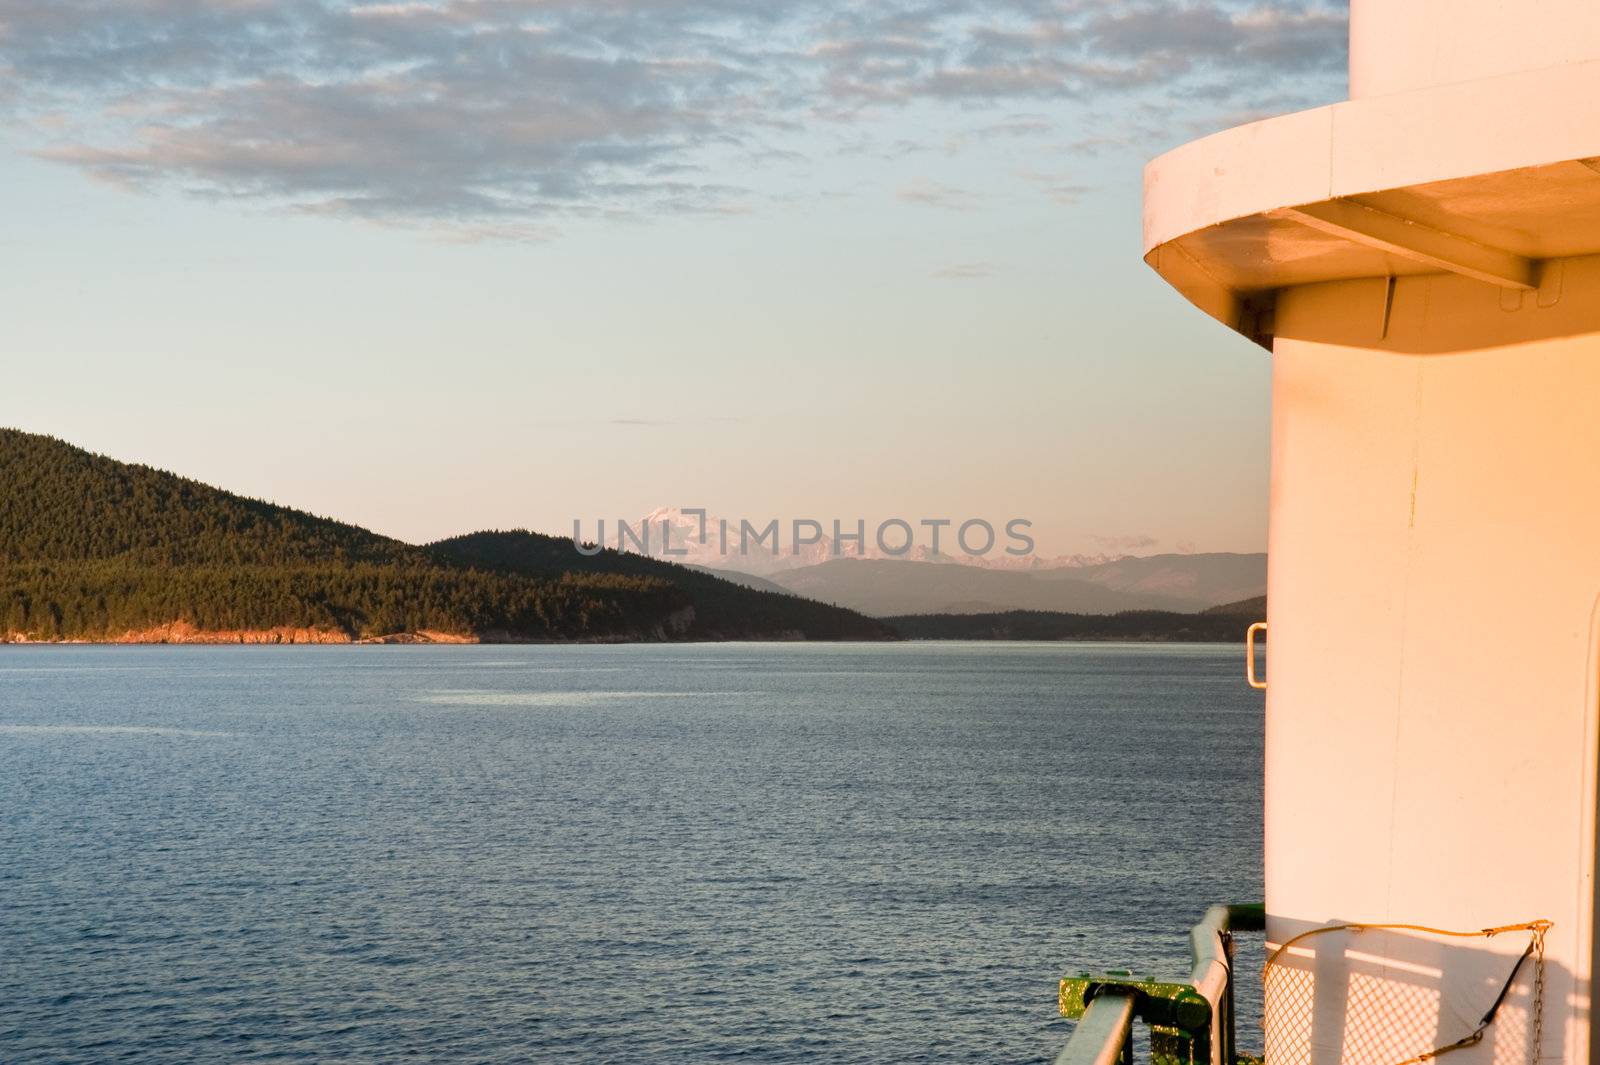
(1104, 1035)
(1188, 1022)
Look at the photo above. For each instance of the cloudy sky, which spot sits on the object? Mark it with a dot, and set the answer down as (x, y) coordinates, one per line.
(432, 266)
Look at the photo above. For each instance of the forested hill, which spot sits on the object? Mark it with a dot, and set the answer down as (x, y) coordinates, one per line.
(723, 607)
(95, 549)
(1142, 625)
(61, 503)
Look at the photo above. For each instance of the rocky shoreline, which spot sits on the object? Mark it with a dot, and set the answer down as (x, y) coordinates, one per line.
(182, 632)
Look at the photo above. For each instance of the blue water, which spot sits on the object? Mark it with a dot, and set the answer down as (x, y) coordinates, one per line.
(764, 853)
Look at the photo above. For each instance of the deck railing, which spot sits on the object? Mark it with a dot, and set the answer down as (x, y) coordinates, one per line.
(1190, 1023)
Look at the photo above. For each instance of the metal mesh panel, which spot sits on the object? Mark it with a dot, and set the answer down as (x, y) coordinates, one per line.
(1371, 1019)
(1288, 996)
(1353, 1009)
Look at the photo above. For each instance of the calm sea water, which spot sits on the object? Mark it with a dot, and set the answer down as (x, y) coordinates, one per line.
(765, 853)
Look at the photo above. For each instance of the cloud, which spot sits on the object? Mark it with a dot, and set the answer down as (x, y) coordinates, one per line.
(965, 272)
(927, 193)
(1058, 187)
(503, 117)
(1036, 49)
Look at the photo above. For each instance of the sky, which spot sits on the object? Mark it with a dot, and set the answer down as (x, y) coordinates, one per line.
(439, 266)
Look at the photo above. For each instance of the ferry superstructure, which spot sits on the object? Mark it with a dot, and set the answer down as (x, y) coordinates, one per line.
(1422, 262)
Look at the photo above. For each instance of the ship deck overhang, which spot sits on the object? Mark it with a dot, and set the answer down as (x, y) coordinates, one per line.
(1490, 179)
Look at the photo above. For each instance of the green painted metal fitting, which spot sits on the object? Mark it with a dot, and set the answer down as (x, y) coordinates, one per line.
(1247, 917)
(1181, 1016)
(1159, 1001)
(1172, 1046)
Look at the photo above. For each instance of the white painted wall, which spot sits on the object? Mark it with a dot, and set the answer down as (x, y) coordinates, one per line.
(1434, 574)
(1397, 45)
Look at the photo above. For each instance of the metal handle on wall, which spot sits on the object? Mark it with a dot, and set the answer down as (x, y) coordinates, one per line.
(1250, 656)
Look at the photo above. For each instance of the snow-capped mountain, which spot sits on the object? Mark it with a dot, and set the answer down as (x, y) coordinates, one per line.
(766, 548)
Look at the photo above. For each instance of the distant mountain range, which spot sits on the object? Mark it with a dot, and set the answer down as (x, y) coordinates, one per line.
(925, 582)
(749, 548)
(95, 549)
(882, 587)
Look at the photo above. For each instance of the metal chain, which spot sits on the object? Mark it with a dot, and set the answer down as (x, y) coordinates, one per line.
(1538, 992)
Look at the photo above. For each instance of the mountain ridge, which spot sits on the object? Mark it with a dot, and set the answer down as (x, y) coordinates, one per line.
(1179, 583)
(94, 549)
(669, 532)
